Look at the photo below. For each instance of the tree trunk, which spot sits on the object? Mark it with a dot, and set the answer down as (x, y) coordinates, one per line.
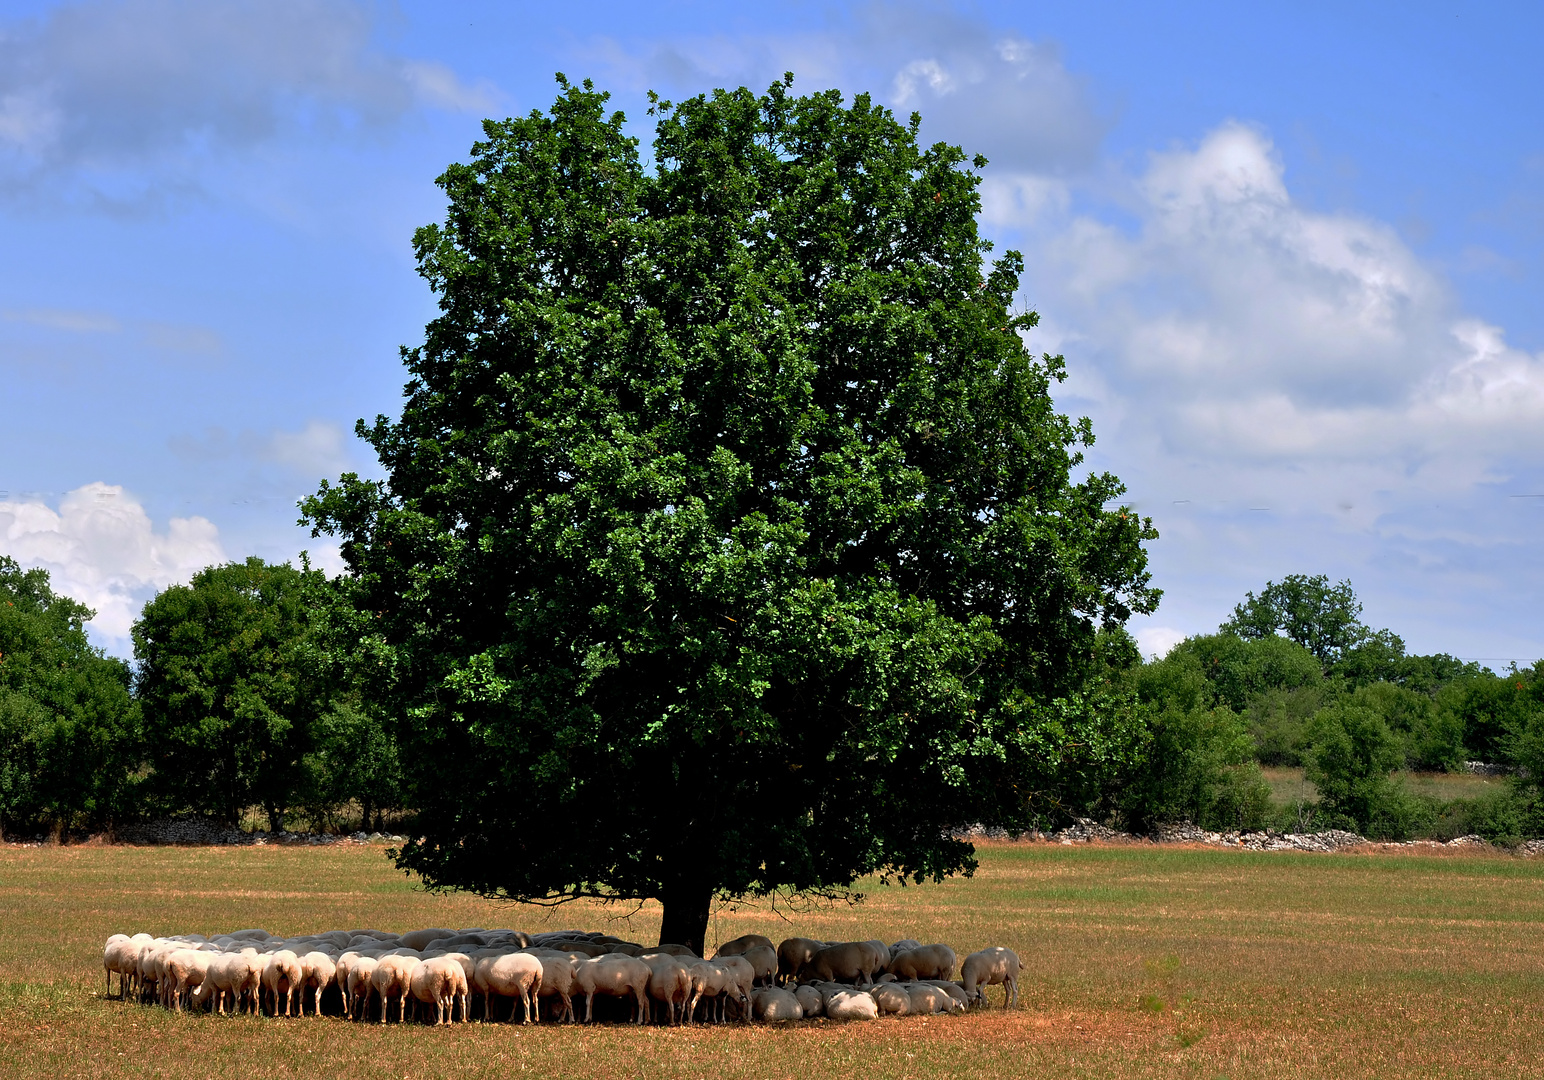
(364, 823)
(685, 919)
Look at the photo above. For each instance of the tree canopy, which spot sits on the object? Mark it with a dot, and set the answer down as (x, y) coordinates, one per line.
(69, 735)
(230, 701)
(731, 541)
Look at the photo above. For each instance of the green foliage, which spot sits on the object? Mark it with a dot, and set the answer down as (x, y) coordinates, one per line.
(355, 759)
(229, 697)
(1278, 722)
(1321, 617)
(730, 532)
(1350, 758)
(1492, 710)
(1198, 767)
(69, 732)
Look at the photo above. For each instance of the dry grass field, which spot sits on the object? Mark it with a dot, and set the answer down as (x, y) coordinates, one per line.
(1140, 962)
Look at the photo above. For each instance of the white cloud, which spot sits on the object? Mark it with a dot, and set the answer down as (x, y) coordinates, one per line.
(125, 97)
(101, 548)
(1156, 641)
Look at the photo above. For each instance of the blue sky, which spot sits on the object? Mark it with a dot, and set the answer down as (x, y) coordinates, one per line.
(1291, 252)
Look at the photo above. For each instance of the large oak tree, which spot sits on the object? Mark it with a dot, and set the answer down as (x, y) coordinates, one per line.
(731, 541)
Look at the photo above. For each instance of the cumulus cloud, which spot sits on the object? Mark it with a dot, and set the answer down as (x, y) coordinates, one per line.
(1290, 390)
(1261, 335)
(125, 96)
(101, 548)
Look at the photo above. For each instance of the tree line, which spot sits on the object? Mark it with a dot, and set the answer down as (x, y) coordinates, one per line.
(239, 700)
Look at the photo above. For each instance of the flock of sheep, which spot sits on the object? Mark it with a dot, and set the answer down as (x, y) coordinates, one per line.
(370, 975)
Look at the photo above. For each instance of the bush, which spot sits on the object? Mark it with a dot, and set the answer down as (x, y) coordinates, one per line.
(1198, 767)
(1278, 723)
(1350, 757)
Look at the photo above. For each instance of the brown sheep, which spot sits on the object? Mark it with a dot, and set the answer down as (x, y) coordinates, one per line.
(739, 945)
(793, 954)
(847, 962)
(928, 962)
(995, 966)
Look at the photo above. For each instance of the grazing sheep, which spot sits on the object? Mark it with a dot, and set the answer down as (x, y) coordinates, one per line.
(361, 985)
(881, 953)
(557, 980)
(440, 981)
(773, 1005)
(762, 958)
(847, 962)
(517, 976)
(282, 974)
(852, 1005)
(739, 979)
(118, 958)
(904, 944)
(739, 945)
(419, 939)
(391, 980)
(927, 962)
(793, 954)
(708, 978)
(669, 984)
(184, 969)
(995, 966)
(614, 976)
(317, 972)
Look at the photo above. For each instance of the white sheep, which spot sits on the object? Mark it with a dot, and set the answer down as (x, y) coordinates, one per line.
(440, 981)
(852, 1005)
(282, 974)
(614, 976)
(514, 975)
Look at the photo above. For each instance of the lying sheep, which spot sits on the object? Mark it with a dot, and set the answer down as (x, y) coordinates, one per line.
(926, 962)
(772, 1005)
(995, 966)
(810, 1000)
(614, 976)
(926, 998)
(891, 999)
(852, 1005)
